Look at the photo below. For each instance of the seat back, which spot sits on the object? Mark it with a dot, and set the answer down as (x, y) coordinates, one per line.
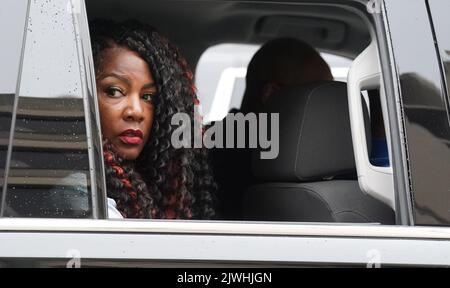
(313, 179)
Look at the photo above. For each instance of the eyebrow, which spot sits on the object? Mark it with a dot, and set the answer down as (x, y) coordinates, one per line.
(149, 86)
(121, 78)
(126, 80)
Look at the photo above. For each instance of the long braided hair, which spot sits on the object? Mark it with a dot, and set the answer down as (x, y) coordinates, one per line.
(163, 182)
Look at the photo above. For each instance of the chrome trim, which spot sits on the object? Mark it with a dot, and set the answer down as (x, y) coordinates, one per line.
(222, 228)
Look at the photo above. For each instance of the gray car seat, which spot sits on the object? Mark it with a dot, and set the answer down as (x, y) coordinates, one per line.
(313, 179)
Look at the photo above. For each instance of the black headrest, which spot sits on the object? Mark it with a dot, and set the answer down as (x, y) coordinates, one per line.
(315, 139)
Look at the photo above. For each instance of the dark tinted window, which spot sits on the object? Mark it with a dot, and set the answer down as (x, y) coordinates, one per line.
(49, 172)
(424, 106)
(379, 154)
(440, 11)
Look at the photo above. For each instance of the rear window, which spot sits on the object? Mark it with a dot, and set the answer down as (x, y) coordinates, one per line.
(221, 72)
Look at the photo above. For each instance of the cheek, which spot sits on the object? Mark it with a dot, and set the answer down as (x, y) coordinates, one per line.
(107, 118)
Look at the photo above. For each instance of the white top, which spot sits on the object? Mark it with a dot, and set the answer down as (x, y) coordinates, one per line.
(113, 213)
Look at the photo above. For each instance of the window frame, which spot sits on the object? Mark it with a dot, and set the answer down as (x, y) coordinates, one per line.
(93, 243)
(378, 25)
(92, 114)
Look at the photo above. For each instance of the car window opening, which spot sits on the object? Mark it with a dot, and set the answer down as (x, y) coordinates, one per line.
(294, 154)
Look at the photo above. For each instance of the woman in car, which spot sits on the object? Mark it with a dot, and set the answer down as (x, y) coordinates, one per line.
(142, 81)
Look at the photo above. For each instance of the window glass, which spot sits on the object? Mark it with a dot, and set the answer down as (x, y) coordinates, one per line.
(440, 10)
(424, 112)
(378, 152)
(12, 26)
(48, 162)
(220, 78)
(221, 71)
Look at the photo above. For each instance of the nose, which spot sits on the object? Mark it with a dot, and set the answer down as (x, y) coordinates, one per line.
(134, 110)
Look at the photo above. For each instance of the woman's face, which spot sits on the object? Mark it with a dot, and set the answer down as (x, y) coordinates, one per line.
(125, 88)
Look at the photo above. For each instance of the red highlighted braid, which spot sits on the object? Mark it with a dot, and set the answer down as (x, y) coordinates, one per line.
(119, 179)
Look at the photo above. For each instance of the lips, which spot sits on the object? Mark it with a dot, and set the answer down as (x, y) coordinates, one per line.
(131, 137)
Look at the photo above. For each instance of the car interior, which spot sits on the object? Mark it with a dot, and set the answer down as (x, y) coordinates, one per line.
(323, 172)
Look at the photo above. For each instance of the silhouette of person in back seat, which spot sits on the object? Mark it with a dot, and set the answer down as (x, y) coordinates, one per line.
(280, 62)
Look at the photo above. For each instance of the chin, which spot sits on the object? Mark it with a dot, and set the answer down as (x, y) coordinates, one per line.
(128, 155)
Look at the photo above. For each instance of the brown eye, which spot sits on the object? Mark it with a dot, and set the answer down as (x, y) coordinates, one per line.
(113, 92)
(148, 97)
